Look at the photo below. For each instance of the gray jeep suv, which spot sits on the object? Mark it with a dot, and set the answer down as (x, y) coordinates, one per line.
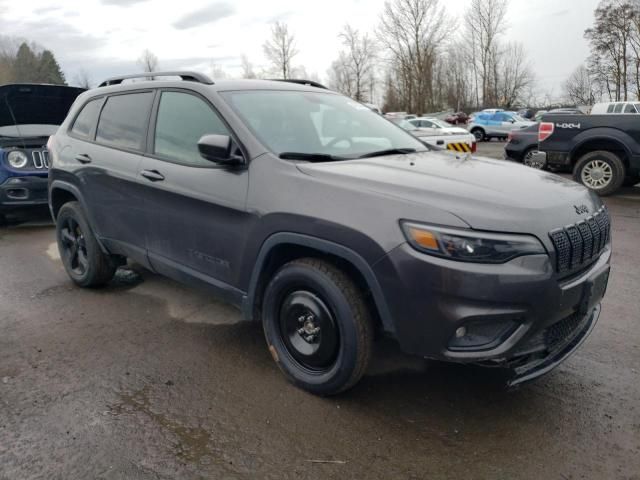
(329, 224)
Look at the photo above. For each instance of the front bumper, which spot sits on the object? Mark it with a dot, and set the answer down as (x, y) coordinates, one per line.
(430, 299)
(27, 191)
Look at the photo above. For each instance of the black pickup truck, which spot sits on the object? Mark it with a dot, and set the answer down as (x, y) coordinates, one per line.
(602, 150)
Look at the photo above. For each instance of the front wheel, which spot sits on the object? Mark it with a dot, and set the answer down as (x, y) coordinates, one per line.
(86, 264)
(601, 171)
(317, 326)
(479, 134)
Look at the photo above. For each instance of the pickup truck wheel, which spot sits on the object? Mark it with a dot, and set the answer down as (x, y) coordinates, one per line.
(479, 134)
(86, 264)
(317, 326)
(601, 171)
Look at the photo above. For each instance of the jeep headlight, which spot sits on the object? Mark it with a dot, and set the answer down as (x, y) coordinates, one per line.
(470, 245)
(17, 159)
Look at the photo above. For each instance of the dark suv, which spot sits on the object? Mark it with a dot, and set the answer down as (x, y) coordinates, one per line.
(329, 224)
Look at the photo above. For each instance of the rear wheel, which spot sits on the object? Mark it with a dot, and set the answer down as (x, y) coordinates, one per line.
(317, 326)
(601, 171)
(479, 134)
(528, 159)
(86, 264)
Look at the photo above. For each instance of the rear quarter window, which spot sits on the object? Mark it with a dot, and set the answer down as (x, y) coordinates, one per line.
(123, 121)
(86, 120)
(610, 108)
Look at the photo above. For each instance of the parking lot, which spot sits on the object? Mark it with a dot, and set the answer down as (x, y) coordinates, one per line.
(147, 379)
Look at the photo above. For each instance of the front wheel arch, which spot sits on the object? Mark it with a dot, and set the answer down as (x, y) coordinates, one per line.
(283, 247)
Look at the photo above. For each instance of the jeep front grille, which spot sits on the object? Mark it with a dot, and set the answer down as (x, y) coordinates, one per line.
(40, 159)
(579, 244)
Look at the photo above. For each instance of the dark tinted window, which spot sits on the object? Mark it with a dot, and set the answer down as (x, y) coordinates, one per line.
(618, 108)
(182, 120)
(610, 108)
(123, 122)
(629, 108)
(87, 119)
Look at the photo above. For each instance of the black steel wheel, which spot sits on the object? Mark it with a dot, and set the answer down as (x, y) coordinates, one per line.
(309, 330)
(86, 264)
(317, 326)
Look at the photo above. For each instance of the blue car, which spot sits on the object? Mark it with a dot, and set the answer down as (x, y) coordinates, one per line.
(29, 114)
(490, 124)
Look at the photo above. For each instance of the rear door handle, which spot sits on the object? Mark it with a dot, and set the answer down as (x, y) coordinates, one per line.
(83, 158)
(152, 175)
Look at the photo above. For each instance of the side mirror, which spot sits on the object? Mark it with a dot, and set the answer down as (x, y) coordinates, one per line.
(218, 148)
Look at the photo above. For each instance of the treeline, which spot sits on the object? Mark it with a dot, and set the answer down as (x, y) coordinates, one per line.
(612, 71)
(420, 59)
(21, 62)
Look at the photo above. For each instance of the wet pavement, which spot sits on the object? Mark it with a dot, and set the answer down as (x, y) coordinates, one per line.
(146, 379)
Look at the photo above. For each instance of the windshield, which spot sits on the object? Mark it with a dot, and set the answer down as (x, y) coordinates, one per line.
(317, 123)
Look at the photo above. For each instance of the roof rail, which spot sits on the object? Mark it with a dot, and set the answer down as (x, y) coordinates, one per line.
(185, 76)
(309, 83)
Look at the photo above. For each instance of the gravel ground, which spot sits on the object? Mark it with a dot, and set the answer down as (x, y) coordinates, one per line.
(147, 379)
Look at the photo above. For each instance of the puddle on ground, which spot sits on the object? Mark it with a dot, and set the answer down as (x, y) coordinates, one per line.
(192, 442)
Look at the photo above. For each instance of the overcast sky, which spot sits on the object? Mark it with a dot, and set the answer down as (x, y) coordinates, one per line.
(105, 37)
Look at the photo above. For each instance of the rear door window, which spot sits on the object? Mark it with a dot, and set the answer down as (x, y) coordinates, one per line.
(182, 120)
(618, 108)
(123, 122)
(85, 122)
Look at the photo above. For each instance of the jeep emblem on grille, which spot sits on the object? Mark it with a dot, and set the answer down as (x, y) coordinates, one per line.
(580, 209)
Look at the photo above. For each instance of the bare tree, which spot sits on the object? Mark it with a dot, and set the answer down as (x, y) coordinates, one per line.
(82, 79)
(485, 23)
(580, 89)
(413, 32)
(280, 49)
(148, 61)
(340, 78)
(247, 68)
(218, 72)
(356, 64)
(514, 76)
(611, 43)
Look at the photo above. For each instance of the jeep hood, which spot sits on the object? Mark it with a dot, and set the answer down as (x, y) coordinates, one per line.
(31, 104)
(487, 194)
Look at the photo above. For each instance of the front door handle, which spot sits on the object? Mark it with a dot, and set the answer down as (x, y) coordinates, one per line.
(83, 158)
(152, 175)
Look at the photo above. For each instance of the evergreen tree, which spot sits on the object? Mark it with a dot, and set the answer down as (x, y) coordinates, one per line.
(25, 65)
(48, 69)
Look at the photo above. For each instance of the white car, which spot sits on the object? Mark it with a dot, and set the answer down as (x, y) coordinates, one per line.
(442, 134)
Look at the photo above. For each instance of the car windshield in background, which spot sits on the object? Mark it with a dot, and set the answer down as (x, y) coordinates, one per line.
(318, 124)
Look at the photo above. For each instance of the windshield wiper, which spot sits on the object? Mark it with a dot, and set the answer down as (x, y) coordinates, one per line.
(310, 157)
(390, 151)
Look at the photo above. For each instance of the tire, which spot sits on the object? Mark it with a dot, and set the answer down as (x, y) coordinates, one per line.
(479, 134)
(601, 171)
(317, 326)
(526, 159)
(86, 264)
(630, 181)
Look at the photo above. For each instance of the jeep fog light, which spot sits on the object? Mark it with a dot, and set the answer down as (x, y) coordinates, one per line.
(481, 336)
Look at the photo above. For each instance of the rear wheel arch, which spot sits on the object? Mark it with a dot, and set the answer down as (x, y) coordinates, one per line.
(609, 144)
(282, 248)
